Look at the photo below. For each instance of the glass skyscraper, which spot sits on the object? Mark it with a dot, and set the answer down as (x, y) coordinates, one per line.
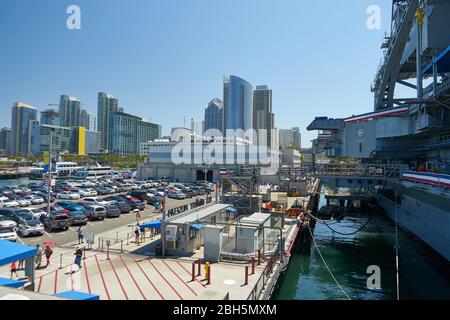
(237, 104)
(214, 115)
(106, 105)
(21, 116)
(263, 118)
(50, 117)
(69, 111)
(127, 132)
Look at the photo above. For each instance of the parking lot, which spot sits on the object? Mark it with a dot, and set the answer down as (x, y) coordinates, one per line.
(62, 237)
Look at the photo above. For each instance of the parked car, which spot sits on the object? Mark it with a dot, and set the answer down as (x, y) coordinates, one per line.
(29, 225)
(112, 211)
(7, 203)
(77, 218)
(37, 213)
(67, 205)
(95, 212)
(10, 214)
(8, 233)
(177, 195)
(34, 199)
(123, 206)
(68, 195)
(135, 204)
(96, 201)
(57, 221)
(6, 222)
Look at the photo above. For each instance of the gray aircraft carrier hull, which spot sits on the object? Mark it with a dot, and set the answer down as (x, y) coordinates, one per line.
(425, 212)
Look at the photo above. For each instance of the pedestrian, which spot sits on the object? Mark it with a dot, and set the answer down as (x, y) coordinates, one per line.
(136, 234)
(14, 270)
(78, 255)
(138, 215)
(156, 207)
(142, 231)
(21, 263)
(48, 253)
(38, 256)
(80, 235)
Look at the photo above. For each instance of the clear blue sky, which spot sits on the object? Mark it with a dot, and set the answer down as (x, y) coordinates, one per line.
(165, 59)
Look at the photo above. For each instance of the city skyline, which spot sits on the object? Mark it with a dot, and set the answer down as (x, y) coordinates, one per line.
(145, 69)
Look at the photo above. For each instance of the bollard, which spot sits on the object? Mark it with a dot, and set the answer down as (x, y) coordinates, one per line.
(259, 257)
(209, 275)
(206, 270)
(193, 271)
(199, 270)
(128, 238)
(253, 265)
(121, 246)
(246, 276)
(60, 261)
(117, 236)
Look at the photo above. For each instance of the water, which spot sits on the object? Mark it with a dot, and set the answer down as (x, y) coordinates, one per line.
(16, 182)
(422, 275)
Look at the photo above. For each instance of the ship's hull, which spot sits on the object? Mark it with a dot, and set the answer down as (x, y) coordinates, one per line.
(425, 212)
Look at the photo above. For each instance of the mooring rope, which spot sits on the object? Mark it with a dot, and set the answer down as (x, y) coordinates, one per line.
(326, 265)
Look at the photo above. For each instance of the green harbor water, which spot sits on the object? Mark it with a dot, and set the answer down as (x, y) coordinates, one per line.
(422, 274)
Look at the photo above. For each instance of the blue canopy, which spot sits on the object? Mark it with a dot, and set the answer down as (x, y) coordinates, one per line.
(11, 251)
(442, 62)
(197, 226)
(155, 224)
(232, 210)
(12, 283)
(76, 295)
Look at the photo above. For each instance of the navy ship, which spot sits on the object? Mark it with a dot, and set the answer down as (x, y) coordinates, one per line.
(403, 143)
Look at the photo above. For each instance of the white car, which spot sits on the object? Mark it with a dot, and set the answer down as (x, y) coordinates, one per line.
(68, 195)
(8, 204)
(34, 199)
(96, 201)
(5, 222)
(29, 227)
(37, 213)
(23, 202)
(90, 192)
(8, 233)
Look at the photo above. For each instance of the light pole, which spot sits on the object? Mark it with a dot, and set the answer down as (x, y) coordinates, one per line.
(49, 181)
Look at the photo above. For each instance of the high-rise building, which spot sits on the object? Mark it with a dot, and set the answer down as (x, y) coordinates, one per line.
(237, 104)
(21, 116)
(290, 138)
(5, 136)
(84, 141)
(69, 111)
(50, 117)
(263, 118)
(88, 120)
(214, 115)
(40, 138)
(106, 105)
(127, 132)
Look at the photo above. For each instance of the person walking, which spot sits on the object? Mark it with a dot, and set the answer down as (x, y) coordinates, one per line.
(80, 235)
(137, 234)
(48, 253)
(14, 270)
(38, 256)
(156, 207)
(142, 231)
(78, 255)
(21, 264)
(138, 215)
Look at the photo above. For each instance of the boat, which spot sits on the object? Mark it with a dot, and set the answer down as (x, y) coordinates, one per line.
(94, 172)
